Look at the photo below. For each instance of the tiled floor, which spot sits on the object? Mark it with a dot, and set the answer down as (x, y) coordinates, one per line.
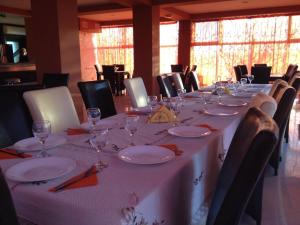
(281, 203)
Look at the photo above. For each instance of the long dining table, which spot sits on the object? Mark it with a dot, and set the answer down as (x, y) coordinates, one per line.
(170, 193)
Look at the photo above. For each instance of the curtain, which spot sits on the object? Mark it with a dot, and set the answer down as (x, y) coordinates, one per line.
(115, 46)
(217, 46)
(168, 46)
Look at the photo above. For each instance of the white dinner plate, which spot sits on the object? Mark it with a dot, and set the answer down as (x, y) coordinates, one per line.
(242, 94)
(220, 112)
(100, 124)
(32, 144)
(253, 89)
(40, 169)
(146, 154)
(189, 131)
(232, 103)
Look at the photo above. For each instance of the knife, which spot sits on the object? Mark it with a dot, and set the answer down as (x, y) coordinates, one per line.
(19, 155)
(91, 171)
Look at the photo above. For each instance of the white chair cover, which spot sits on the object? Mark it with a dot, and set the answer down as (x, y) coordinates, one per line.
(55, 105)
(137, 92)
(265, 102)
(178, 81)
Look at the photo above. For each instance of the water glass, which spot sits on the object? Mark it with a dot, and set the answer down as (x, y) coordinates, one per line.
(41, 130)
(243, 81)
(94, 115)
(152, 101)
(206, 97)
(220, 91)
(250, 78)
(181, 93)
(131, 125)
(98, 142)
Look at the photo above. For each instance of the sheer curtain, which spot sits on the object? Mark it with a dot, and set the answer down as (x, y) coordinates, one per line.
(115, 46)
(219, 45)
(168, 46)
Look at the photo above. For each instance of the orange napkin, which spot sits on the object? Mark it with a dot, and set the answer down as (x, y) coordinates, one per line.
(136, 113)
(4, 155)
(173, 148)
(91, 180)
(76, 131)
(207, 126)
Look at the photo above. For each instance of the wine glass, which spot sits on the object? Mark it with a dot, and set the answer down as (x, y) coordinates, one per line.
(181, 93)
(220, 91)
(131, 126)
(152, 101)
(98, 142)
(41, 130)
(206, 97)
(250, 78)
(243, 81)
(94, 115)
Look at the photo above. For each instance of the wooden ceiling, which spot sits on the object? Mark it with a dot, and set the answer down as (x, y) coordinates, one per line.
(118, 10)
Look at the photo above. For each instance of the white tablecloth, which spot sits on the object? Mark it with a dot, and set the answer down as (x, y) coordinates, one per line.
(174, 192)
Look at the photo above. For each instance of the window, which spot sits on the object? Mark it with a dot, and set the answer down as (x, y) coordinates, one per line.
(218, 45)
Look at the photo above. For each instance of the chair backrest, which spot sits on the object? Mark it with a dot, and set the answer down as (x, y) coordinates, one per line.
(243, 167)
(7, 209)
(291, 70)
(265, 103)
(194, 68)
(166, 85)
(55, 105)
(295, 81)
(55, 79)
(98, 94)
(119, 67)
(96, 68)
(176, 68)
(260, 64)
(108, 70)
(177, 81)
(137, 92)
(261, 74)
(193, 81)
(243, 69)
(275, 85)
(15, 120)
(238, 73)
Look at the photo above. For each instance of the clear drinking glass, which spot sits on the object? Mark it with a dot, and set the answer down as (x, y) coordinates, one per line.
(250, 78)
(94, 115)
(152, 101)
(41, 130)
(131, 125)
(181, 93)
(98, 142)
(243, 81)
(220, 91)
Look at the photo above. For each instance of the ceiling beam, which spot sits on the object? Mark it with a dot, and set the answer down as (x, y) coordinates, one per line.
(174, 14)
(286, 10)
(16, 11)
(172, 3)
(95, 9)
(130, 3)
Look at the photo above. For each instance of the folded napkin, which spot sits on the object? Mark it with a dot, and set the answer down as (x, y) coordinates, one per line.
(162, 115)
(207, 126)
(173, 148)
(76, 131)
(6, 153)
(90, 180)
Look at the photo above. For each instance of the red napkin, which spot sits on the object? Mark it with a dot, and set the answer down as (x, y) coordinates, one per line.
(10, 154)
(91, 180)
(76, 131)
(173, 148)
(136, 113)
(207, 126)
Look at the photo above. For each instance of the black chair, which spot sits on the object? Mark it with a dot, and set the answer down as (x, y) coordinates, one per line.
(166, 85)
(194, 68)
(244, 70)
(284, 96)
(8, 214)
(55, 79)
(15, 120)
(192, 82)
(261, 74)
(238, 73)
(98, 73)
(115, 79)
(240, 183)
(119, 67)
(178, 68)
(98, 94)
(291, 70)
(260, 64)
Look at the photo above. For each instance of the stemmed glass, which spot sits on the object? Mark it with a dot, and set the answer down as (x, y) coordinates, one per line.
(131, 126)
(243, 81)
(41, 130)
(94, 115)
(250, 78)
(152, 101)
(220, 91)
(181, 93)
(98, 142)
